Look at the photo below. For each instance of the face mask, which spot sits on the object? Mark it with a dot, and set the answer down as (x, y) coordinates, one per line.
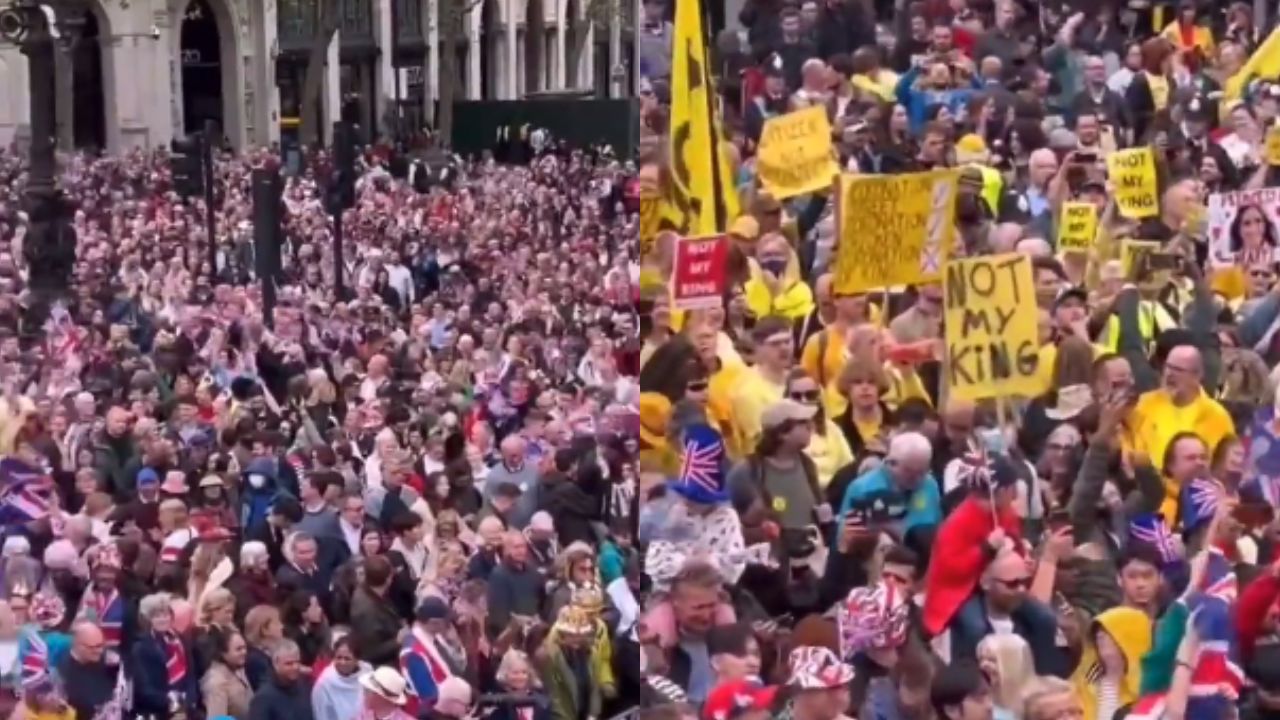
(774, 265)
(257, 481)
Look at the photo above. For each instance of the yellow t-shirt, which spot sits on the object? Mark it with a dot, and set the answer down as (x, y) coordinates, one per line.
(753, 394)
(1155, 420)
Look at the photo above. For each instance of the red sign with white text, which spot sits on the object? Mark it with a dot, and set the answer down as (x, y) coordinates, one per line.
(699, 277)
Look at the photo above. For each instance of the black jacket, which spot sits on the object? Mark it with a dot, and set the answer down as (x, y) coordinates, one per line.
(151, 687)
(375, 627)
(280, 701)
(572, 508)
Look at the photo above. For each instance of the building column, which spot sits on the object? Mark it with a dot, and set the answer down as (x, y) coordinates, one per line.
(332, 88)
(15, 104)
(562, 74)
(475, 53)
(511, 64)
(384, 96)
(64, 100)
(615, 56)
(585, 72)
(432, 81)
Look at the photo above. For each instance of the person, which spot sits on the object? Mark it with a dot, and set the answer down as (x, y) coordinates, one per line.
(263, 628)
(384, 695)
(960, 692)
(287, 694)
(516, 588)
(576, 649)
(431, 652)
(164, 675)
(336, 694)
(225, 687)
(1006, 663)
(518, 680)
(376, 627)
(89, 680)
(819, 681)
(1108, 678)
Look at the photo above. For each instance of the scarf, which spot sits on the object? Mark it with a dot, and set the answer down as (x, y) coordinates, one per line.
(105, 609)
(175, 658)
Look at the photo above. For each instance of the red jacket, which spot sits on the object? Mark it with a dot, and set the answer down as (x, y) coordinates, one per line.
(1252, 610)
(950, 581)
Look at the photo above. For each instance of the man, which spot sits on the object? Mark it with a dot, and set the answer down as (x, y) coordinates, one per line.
(655, 41)
(771, 103)
(287, 695)
(1194, 131)
(820, 683)
(574, 663)
(454, 702)
(1001, 41)
(694, 603)
(1042, 167)
(375, 626)
(302, 570)
(281, 516)
(384, 696)
(1180, 405)
(319, 519)
(431, 652)
(793, 49)
(486, 559)
(89, 681)
(824, 359)
(501, 503)
(104, 606)
(961, 692)
(351, 523)
(762, 384)
(116, 456)
(570, 507)
(777, 289)
(921, 321)
(814, 85)
(514, 469)
(1097, 101)
(905, 475)
(1112, 377)
(515, 587)
(933, 147)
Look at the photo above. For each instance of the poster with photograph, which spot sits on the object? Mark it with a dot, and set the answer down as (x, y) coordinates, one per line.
(1243, 227)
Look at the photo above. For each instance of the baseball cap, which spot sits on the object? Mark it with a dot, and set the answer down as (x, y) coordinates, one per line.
(786, 411)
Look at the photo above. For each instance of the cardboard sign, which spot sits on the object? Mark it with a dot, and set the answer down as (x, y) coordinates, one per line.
(894, 229)
(1133, 174)
(1134, 258)
(699, 276)
(993, 347)
(1078, 227)
(1242, 227)
(795, 155)
(1271, 151)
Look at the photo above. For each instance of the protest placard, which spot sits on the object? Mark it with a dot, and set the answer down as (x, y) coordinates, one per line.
(1078, 227)
(1134, 258)
(1242, 227)
(795, 155)
(894, 229)
(1133, 174)
(993, 348)
(699, 275)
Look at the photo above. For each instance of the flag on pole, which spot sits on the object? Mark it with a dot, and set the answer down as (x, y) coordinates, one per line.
(698, 197)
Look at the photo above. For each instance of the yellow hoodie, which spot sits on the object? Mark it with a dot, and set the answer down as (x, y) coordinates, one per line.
(1131, 631)
(793, 301)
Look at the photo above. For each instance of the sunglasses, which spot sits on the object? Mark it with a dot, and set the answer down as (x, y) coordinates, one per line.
(806, 395)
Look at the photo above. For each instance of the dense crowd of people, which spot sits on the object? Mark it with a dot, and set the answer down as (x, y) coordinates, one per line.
(828, 532)
(408, 495)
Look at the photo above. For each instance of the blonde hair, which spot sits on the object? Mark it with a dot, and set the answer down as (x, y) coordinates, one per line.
(513, 660)
(1015, 669)
(570, 556)
(1041, 689)
(256, 622)
(215, 599)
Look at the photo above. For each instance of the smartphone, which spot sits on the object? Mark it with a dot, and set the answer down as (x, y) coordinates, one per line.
(1057, 519)
(1086, 157)
(1157, 261)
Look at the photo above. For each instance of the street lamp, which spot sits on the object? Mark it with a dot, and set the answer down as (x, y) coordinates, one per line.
(50, 243)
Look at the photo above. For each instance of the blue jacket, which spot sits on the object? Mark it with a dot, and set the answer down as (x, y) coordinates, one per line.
(917, 101)
(923, 507)
(151, 679)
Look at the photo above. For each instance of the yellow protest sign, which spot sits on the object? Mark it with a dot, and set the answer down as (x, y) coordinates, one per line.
(1133, 252)
(993, 347)
(1078, 226)
(894, 229)
(1272, 149)
(1133, 174)
(795, 156)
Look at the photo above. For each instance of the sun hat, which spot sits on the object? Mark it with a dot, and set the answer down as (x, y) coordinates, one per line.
(387, 684)
(872, 618)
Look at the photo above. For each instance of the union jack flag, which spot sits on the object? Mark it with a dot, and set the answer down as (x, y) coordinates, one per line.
(1151, 530)
(35, 661)
(24, 492)
(975, 469)
(1200, 500)
(703, 459)
(1216, 676)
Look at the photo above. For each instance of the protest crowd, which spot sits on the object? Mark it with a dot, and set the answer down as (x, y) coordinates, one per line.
(959, 361)
(407, 494)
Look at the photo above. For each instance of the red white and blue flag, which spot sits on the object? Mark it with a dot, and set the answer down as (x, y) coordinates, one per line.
(703, 460)
(24, 492)
(1151, 531)
(1216, 675)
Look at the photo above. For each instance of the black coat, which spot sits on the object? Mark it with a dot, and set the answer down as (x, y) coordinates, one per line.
(573, 509)
(375, 627)
(151, 678)
(275, 701)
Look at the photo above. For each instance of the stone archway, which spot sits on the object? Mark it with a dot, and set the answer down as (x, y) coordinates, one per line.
(491, 41)
(208, 58)
(85, 108)
(534, 45)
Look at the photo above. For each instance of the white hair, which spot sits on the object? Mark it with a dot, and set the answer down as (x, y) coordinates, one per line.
(910, 446)
(252, 553)
(154, 604)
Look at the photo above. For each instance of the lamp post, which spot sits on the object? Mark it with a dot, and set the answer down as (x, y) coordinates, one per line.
(50, 243)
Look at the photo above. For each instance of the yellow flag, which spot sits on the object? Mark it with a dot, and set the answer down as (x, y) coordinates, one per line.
(699, 197)
(1264, 63)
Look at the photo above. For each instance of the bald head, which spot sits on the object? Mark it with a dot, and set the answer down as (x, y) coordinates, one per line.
(515, 548)
(87, 642)
(1034, 247)
(1183, 370)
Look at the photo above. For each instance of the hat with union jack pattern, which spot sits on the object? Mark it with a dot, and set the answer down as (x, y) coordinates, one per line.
(701, 478)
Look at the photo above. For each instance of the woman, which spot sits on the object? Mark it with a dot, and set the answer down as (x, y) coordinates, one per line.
(1252, 238)
(1006, 662)
(828, 447)
(10, 669)
(305, 624)
(1186, 34)
(217, 618)
(262, 627)
(164, 678)
(1110, 671)
(517, 681)
(446, 583)
(1150, 91)
(336, 694)
(575, 568)
(252, 584)
(225, 686)
(1243, 144)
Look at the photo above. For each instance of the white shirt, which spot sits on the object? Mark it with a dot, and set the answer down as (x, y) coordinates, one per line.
(351, 535)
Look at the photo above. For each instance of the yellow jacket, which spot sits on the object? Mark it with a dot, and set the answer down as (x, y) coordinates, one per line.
(1131, 631)
(829, 452)
(793, 301)
(1155, 420)
(751, 395)
(1201, 37)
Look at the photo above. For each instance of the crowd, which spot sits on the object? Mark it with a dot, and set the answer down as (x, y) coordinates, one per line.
(829, 531)
(408, 495)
